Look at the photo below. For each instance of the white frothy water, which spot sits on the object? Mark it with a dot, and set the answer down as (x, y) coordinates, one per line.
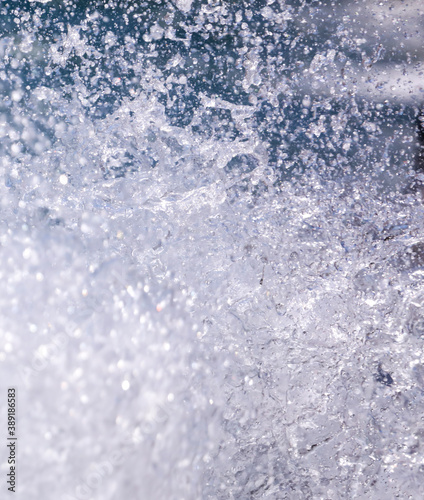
(181, 320)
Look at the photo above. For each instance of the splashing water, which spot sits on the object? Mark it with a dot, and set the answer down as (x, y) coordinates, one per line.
(212, 260)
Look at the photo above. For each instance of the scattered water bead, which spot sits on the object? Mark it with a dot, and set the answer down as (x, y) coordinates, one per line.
(63, 179)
